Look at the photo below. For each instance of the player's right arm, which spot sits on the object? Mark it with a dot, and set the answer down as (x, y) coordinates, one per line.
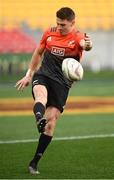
(35, 61)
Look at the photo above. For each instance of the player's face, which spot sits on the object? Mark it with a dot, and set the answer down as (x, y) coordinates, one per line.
(64, 26)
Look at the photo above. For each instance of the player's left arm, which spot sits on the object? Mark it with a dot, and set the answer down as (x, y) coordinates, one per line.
(86, 43)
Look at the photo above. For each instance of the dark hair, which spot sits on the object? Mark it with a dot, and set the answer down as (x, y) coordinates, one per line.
(65, 13)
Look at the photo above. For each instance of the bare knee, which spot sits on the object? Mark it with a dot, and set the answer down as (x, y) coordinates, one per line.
(50, 126)
(52, 117)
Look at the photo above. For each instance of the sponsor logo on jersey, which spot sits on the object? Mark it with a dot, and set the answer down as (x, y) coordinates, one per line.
(58, 51)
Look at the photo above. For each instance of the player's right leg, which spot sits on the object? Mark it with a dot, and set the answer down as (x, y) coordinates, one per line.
(40, 94)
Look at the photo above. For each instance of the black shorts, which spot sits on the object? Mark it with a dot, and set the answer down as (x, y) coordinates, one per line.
(57, 93)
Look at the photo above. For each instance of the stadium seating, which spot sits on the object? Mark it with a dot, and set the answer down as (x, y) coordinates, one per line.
(92, 14)
(15, 41)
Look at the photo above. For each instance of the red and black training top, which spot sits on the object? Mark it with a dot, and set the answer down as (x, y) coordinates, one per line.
(58, 47)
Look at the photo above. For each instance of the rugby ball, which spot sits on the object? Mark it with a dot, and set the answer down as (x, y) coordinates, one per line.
(72, 69)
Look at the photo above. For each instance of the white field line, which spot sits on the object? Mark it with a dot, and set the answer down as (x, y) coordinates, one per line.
(60, 138)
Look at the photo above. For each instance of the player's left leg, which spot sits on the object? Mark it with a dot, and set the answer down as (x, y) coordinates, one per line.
(52, 114)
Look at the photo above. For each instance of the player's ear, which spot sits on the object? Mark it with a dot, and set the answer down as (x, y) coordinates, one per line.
(73, 22)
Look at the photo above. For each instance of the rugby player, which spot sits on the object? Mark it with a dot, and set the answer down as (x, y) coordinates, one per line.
(50, 87)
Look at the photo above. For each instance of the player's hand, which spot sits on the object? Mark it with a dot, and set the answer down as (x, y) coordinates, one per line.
(88, 43)
(22, 83)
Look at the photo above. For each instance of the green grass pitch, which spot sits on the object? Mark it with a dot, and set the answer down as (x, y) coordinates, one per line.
(89, 158)
(64, 159)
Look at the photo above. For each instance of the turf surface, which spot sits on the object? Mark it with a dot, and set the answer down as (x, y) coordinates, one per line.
(65, 159)
(84, 159)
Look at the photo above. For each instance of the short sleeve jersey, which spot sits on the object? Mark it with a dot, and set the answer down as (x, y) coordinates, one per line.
(57, 48)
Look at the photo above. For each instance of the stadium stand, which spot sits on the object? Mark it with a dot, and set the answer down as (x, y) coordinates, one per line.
(92, 14)
(15, 41)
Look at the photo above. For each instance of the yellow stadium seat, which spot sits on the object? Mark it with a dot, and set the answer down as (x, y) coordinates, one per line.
(91, 14)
